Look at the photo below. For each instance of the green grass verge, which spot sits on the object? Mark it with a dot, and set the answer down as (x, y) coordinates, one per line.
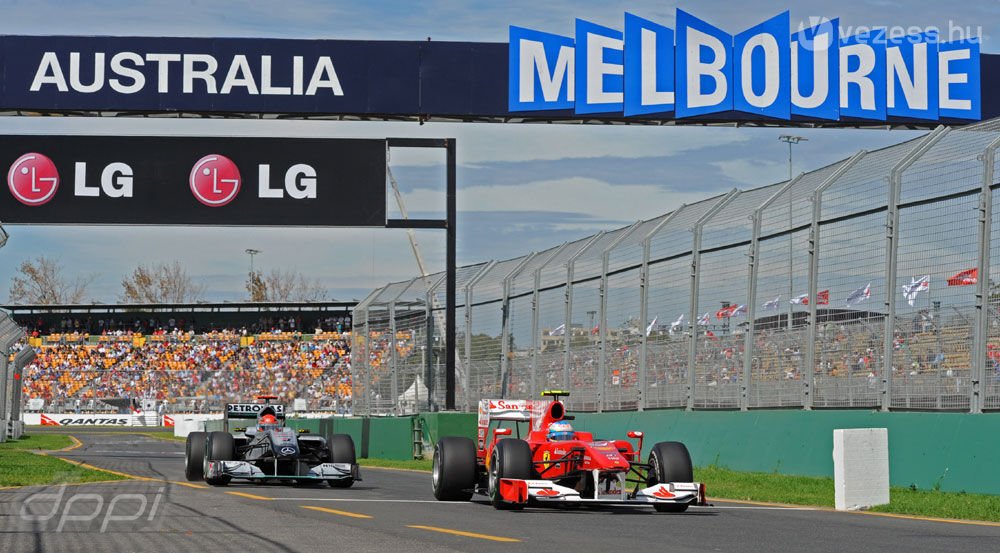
(805, 490)
(415, 464)
(20, 467)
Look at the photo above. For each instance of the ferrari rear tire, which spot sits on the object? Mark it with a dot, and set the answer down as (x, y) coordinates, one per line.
(669, 462)
(342, 450)
(453, 472)
(220, 446)
(511, 458)
(194, 456)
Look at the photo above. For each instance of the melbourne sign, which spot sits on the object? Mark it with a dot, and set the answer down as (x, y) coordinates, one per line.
(193, 181)
(825, 74)
(766, 71)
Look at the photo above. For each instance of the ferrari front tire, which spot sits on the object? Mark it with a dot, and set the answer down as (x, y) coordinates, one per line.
(220, 446)
(669, 462)
(453, 471)
(342, 450)
(511, 458)
(194, 456)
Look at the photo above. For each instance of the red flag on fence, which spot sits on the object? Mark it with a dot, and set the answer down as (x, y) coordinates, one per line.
(965, 278)
(823, 298)
(726, 311)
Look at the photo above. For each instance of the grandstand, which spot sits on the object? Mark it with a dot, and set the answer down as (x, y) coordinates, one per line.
(91, 357)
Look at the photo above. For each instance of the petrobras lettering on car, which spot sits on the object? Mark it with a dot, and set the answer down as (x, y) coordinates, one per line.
(818, 72)
(243, 408)
(127, 72)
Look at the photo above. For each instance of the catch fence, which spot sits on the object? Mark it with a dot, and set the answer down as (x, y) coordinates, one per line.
(809, 293)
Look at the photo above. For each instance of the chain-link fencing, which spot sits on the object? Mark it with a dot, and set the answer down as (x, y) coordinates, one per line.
(864, 284)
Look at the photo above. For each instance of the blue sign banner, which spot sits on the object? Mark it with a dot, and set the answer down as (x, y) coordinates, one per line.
(815, 71)
(704, 67)
(765, 71)
(648, 45)
(762, 69)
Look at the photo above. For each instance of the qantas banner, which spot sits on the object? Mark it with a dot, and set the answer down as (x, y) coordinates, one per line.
(775, 72)
(145, 180)
(69, 419)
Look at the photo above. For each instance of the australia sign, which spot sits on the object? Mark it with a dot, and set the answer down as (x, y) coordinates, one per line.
(766, 71)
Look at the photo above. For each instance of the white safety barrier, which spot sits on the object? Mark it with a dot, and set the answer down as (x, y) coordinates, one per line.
(185, 424)
(860, 468)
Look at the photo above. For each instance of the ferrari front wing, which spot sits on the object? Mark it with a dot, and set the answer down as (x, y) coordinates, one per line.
(546, 491)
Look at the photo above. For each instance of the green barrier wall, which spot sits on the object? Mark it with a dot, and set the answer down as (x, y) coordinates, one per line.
(951, 450)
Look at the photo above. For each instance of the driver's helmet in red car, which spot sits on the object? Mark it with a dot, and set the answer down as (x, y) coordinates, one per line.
(268, 422)
(560, 431)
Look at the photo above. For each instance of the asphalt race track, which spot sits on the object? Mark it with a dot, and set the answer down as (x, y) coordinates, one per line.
(394, 510)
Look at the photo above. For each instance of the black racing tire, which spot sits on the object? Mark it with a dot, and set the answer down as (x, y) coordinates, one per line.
(341, 447)
(194, 456)
(219, 446)
(453, 472)
(669, 462)
(511, 458)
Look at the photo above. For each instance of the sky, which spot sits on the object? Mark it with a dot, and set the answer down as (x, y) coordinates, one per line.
(521, 188)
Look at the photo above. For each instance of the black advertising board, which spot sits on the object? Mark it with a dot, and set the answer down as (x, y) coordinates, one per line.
(225, 181)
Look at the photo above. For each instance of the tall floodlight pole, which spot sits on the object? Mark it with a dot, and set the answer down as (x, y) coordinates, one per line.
(251, 252)
(790, 140)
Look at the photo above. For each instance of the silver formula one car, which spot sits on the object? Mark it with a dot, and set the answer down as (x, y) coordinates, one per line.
(268, 451)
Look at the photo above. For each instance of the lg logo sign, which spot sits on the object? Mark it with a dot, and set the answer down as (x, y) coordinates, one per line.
(214, 180)
(33, 179)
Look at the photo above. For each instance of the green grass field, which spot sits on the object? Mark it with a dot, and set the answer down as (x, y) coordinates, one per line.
(723, 483)
(20, 467)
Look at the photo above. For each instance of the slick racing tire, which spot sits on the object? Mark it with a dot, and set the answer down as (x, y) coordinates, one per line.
(511, 458)
(453, 472)
(669, 462)
(341, 448)
(194, 456)
(219, 446)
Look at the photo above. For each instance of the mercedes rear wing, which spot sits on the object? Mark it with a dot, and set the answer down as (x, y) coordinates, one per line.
(250, 411)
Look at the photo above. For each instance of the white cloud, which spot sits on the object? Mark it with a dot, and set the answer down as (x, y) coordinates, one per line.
(585, 196)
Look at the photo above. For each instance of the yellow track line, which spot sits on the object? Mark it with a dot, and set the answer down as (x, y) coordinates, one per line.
(251, 496)
(465, 534)
(336, 512)
(188, 484)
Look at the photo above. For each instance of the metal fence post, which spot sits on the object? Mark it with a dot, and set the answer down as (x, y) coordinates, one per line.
(752, 269)
(505, 364)
(467, 400)
(891, 252)
(695, 282)
(535, 329)
(603, 364)
(647, 242)
(394, 358)
(981, 334)
(568, 335)
(813, 286)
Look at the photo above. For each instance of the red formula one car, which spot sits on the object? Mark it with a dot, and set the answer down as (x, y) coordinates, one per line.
(549, 463)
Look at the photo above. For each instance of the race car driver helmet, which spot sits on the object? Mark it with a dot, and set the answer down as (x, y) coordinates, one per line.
(267, 422)
(560, 431)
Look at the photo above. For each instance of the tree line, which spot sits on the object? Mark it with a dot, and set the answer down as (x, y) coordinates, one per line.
(44, 281)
